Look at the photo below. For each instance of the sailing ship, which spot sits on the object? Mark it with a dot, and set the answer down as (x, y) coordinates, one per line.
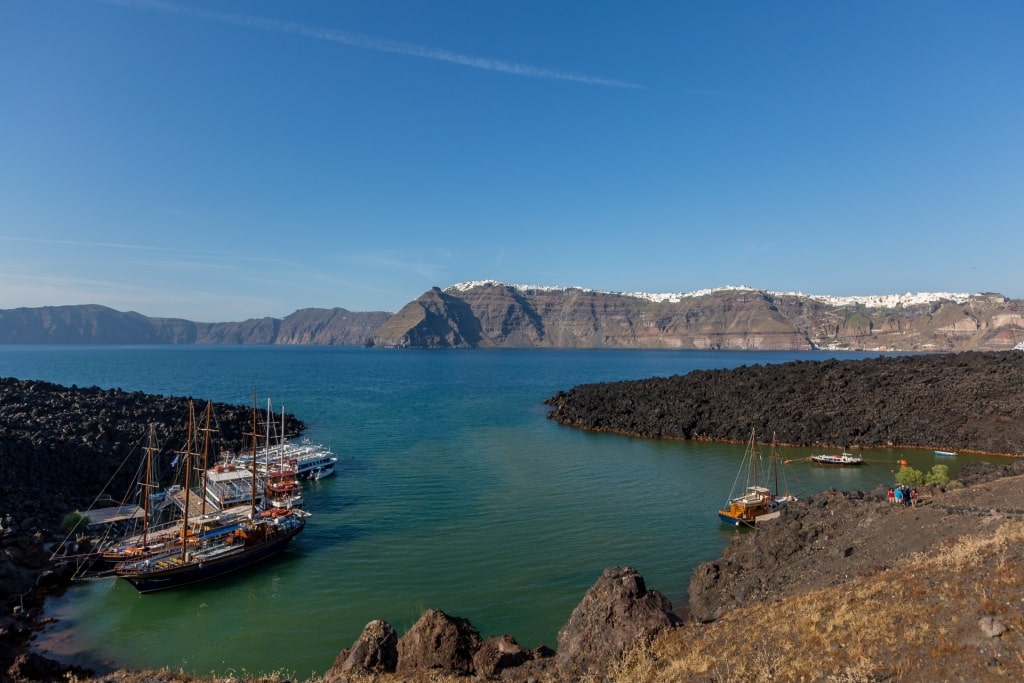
(212, 542)
(756, 501)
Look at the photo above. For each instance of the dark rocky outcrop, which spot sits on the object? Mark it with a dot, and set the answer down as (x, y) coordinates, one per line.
(376, 651)
(438, 642)
(970, 401)
(830, 537)
(497, 654)
(59, 448)
(616, 612)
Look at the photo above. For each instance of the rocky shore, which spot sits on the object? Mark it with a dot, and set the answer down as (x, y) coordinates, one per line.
(69, 444)
(969, 401)
(798, 567)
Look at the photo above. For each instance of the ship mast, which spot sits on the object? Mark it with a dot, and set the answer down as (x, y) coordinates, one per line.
(252, 504)
(206, 457)
(146, 488)
(188, 477)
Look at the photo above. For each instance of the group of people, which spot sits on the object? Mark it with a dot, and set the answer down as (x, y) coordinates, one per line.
(902, 495)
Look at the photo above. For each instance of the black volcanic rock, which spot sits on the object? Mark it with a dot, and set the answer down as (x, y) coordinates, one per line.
(60, 447)
(67, 444)
(616, 612)
(440, 643)
(969, 401)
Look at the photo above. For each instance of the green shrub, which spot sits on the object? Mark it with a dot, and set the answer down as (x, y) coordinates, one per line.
(938, 475)
(73, 522)
(908, 476)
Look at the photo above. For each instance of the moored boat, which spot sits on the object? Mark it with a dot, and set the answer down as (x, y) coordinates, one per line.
(945, 454)
(309, 460)
(221, 551)
(212, 544)
(756, 502)
(840, 459)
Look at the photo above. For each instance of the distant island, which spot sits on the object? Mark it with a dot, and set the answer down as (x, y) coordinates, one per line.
(491, 314)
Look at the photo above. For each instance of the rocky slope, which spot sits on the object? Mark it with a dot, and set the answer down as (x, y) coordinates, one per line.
(968, 401)
(495, 315)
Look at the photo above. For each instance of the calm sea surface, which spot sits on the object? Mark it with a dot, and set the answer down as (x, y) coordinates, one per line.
(453, 491)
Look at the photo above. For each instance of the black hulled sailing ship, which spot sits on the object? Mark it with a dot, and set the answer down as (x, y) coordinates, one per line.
(212, 543)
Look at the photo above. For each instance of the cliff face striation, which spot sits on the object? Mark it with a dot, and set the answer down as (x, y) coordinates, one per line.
(496, 315)
(490, 314)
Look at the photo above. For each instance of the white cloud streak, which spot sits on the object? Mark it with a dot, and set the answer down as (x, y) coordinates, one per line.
(370, 43)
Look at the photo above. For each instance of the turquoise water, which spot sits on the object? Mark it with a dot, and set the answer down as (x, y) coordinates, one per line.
(453, 491)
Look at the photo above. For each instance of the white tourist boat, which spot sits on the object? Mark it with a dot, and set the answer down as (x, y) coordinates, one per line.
(308, 459)
(841, 459)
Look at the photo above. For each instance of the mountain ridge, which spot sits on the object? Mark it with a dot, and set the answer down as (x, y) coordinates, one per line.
(492, 314)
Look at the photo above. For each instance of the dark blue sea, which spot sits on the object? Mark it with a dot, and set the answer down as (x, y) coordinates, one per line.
(453, 491)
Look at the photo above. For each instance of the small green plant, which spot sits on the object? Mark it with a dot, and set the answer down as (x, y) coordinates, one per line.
(73, 522)
(938, 475)
(908, 476)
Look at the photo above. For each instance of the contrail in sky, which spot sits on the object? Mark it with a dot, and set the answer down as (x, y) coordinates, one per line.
(368, 43)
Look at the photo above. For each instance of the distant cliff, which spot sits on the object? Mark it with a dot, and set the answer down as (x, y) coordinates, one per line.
(93, 324)
(490, 314)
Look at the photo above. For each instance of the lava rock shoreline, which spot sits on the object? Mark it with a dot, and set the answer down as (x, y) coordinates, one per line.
(68, 444)
(966, 402)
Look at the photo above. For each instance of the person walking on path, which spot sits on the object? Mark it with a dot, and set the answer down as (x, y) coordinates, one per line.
(898, 493)
(892, 496)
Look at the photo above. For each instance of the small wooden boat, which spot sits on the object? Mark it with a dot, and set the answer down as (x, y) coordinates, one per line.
(756, 502)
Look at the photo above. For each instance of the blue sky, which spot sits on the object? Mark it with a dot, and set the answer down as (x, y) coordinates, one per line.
(226, 160)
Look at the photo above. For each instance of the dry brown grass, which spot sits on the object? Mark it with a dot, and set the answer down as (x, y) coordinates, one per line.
(917, 621)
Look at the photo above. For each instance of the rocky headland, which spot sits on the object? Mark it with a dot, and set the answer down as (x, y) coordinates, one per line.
(969, 401)
(842, 587)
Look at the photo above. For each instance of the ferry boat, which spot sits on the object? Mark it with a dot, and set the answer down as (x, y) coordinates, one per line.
(309, 460)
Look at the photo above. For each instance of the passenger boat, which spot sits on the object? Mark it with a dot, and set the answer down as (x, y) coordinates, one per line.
(310, 460)
(945, 454)
(842, 459)
(212, 544)
(756, 501)
(307, 459)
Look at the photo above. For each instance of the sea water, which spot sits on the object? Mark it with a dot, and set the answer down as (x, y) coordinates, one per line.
(453, 491)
